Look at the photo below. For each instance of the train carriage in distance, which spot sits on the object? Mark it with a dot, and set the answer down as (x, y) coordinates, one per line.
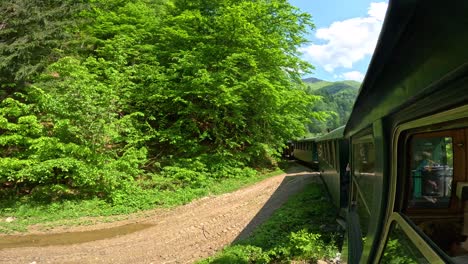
(332, 150)
(305, 150)
(408, 140)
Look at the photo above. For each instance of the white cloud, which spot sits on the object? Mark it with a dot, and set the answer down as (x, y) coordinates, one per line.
(353, 75)
(347, 41)
(378, 10)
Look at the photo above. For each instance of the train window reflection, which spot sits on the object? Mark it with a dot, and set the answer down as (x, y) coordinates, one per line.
(431, 172)
(332, 152)
(400, 249)
(364, 216)
(320, 150)
(364, 170)
(327, 152)
(363, 182)
(364, 157)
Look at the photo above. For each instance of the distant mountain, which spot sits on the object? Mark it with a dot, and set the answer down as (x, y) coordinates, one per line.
(311, 86)
(337, 102)
(334, 88)
(311, 80)
(354, 84)
(315, 84)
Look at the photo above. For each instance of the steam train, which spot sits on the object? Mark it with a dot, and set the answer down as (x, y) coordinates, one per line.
(399, 168)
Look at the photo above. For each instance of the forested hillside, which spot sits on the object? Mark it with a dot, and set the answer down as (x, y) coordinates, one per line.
(120, 99)
(336, 104)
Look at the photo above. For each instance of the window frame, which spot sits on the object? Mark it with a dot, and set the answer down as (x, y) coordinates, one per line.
(417, 239)
(455, 118)
(458, 169)
(356, 193)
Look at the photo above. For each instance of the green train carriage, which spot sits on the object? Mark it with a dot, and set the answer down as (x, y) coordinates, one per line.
(305, 150)
(333, 159)
(412, 107)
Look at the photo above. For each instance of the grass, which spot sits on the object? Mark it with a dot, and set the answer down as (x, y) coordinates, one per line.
(303, 229)
(28, 211)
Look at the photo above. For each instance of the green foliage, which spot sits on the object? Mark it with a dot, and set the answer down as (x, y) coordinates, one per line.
(33, 210)
(223, 92)
(33, 33)
(398, 253)
(300, 230)
(336, 104)
(201, 171)
(19, 128)
(127, 101)
(240, 254)
(310, 246)
(76, 142)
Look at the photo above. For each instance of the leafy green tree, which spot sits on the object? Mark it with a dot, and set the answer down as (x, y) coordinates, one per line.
(78, 145)
(230, 69)
(336, 104)
(33, 33)
(187, 90)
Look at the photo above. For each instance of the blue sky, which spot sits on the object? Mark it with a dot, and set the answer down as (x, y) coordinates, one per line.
(344, 37)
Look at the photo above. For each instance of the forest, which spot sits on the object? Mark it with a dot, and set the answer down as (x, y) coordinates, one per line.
(119, 100)
(335, 106)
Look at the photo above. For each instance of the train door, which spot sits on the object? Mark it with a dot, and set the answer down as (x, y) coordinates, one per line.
(366, 194)
(427, 222)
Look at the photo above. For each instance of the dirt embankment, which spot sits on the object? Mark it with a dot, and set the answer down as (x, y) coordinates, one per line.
(180, 235)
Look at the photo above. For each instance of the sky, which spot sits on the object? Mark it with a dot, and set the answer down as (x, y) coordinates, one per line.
(344, 38)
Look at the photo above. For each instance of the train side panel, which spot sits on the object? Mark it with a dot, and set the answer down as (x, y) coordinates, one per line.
(306, 151)
(332, 150)
(408, 136)
(327, 170)
(368, 190)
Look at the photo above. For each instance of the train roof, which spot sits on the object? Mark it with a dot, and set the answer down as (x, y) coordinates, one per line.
(421, 46)
(334, 134)
(305, 139)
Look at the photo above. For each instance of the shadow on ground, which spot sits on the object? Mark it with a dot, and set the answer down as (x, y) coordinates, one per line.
(298, 179)
(296, 223)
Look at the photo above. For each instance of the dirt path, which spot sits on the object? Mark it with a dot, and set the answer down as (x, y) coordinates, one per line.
(180, 235)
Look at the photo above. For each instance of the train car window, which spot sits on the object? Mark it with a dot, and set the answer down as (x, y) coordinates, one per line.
(327, 151)
(363, 172)
(332, 152)
(320, 150)
(314, 151)
(435, 162)
(364, 168)
(400, 249)
(364, 156)
(364, 215)
(431, 172)
(337, 155)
